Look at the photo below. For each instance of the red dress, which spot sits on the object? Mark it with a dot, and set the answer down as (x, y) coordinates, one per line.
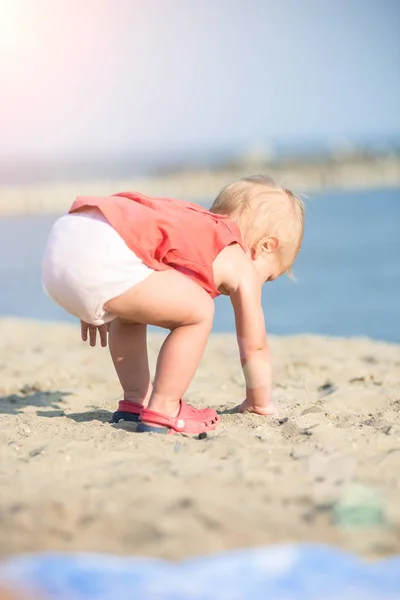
(166, 233)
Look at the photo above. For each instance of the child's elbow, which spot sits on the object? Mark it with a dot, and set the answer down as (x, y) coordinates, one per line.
(250, 348)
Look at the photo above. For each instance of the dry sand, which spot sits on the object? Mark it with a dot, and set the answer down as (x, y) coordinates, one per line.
(69, 480)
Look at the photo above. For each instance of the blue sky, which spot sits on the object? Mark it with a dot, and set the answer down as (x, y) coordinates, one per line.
(116, 76)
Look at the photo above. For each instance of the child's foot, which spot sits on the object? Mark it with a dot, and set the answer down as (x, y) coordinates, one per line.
(127, 411)
(189, 421)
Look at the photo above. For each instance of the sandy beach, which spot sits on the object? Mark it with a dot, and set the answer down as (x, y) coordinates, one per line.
(326, 471)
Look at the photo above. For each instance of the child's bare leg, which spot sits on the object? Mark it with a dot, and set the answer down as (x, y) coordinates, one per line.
(177, 363)
(128, 348)
(171, 300)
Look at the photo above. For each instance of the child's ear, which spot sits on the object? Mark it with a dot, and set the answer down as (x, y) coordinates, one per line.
(270, 244)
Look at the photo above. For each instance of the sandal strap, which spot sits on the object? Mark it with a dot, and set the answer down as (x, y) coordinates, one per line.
(157, 418)
(187, 419)
(130, 407)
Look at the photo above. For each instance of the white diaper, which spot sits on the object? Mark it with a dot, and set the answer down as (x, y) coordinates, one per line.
(86, 263)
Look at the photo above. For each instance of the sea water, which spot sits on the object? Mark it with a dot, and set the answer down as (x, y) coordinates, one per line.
(348, 270)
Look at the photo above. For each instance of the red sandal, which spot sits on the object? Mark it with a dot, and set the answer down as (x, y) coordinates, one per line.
(127, 411)
(189, 420)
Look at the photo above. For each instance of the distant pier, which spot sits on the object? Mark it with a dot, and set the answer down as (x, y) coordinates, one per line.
(303, 176)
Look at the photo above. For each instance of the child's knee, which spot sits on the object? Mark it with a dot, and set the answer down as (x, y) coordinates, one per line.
(204, 312)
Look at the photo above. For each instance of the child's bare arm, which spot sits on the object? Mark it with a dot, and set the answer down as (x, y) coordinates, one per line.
(252, 341)
(237, 276)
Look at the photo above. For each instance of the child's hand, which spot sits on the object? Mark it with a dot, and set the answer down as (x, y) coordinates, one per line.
(102, 329)
(269, 410)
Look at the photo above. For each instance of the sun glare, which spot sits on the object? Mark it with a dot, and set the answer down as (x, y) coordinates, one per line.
(12, 26)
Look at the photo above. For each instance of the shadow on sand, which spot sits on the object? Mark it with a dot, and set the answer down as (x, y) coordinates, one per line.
(31, 396)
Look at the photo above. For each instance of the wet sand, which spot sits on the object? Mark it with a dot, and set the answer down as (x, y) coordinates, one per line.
(326, 471)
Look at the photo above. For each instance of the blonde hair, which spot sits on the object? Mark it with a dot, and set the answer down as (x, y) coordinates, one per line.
(262, 208)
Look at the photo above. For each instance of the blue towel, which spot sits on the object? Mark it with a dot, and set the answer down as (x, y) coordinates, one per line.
(283, 572)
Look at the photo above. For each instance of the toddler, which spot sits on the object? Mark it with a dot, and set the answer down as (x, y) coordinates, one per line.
(123, 262)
